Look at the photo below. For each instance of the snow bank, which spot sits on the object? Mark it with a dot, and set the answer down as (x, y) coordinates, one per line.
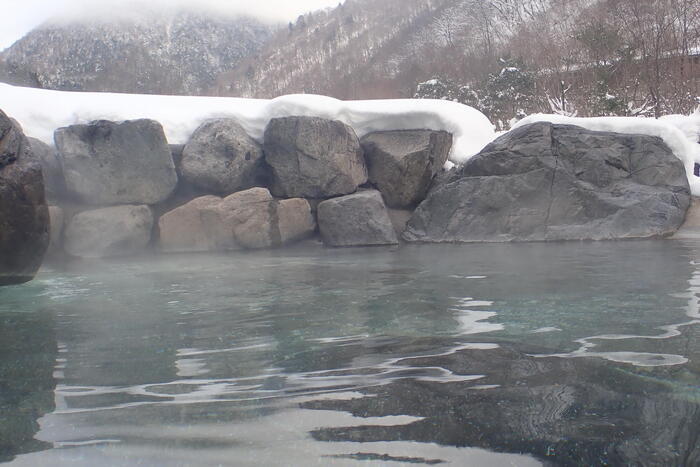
(679, 132)
(40, 112)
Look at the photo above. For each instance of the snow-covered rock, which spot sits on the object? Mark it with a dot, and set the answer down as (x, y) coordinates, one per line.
(221, 158)
(544, 182)
(680, 133)
(313, 157)
(403, 163)
(108, 163)
(40, 112)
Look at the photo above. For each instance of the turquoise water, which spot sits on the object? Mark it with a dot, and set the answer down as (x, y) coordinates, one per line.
(526, 354)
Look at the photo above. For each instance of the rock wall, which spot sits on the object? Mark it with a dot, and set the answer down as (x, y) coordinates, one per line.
(118, 188)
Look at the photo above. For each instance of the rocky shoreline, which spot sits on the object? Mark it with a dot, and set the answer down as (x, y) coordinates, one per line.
(119, 188)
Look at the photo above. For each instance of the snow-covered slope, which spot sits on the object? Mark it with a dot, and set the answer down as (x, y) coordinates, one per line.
(40, 112)
(681, 134)
(161, 52)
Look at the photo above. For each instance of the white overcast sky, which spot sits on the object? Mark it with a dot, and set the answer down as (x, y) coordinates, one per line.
(20, 16)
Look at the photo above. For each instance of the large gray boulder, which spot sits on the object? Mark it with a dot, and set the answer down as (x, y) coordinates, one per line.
(558, 182)
(24, 215)
(360, 219)
(403, 163)
(46, 156)
(109, 163)
(112, 231)
(250, 219)
(221, 158)
(313, 157)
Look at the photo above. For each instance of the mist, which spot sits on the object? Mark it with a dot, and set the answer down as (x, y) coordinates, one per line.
(24, 15)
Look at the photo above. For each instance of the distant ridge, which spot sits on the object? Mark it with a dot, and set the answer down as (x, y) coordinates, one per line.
(174, 53)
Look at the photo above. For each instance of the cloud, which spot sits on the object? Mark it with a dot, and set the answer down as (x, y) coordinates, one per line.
(20, 16)
(268, 10)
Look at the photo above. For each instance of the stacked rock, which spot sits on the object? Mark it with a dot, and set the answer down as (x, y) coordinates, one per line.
(117, 188)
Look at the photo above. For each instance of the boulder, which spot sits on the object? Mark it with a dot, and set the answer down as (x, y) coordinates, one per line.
(294, 220)
(57, 217)
(313, 157)
(557, 182)
(399, 219)
(402, 164)
(360, 219)
(248, 216)
(221, 158)
(24, 215)
(46, 156)
(249, 219)
(194, 227)
(112, 231)
(110, 163)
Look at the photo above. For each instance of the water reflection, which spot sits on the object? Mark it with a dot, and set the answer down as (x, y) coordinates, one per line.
(28, 354)
(428, 354)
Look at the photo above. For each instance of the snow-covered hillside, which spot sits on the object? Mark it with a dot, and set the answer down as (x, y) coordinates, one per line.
(156, 52)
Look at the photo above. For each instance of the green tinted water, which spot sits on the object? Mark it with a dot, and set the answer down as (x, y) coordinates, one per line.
(571, 353)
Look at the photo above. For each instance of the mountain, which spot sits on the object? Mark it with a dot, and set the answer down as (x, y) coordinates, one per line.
(361, 49)
(173, 53)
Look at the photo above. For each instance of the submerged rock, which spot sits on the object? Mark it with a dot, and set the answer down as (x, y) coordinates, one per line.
(249, 219)
(402, 164)
(113, 231)
(360, 219)
(222, 158)
(111, 163)
(558, 182)
(24, 215)
(313, 157)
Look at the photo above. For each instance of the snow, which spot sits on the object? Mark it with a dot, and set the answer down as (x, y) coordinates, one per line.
(40, 112)
(681, 134)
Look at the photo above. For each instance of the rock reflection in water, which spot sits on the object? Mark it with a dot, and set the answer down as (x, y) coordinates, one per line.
(562, 411)
(28, 354)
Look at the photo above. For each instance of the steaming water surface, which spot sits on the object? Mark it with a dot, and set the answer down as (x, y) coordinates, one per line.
(530, 354)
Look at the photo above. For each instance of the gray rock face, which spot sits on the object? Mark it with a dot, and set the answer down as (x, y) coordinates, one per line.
(108, 163)
(402, 164)
(113, 231)
(558, 182)
(313, 157)
(250, 219)
(54, 183)
(24, 215)
(222, 158)
(360, 219)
